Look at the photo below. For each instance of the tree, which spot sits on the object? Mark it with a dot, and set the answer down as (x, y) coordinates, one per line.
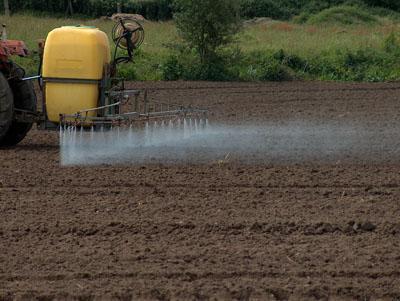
(6, 8)
(207, 25)
(391, 4)
(70, 8)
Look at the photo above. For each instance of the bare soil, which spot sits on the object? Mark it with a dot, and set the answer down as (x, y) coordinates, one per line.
(311, 231)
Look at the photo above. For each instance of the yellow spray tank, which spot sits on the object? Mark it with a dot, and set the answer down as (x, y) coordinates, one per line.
(74, 62)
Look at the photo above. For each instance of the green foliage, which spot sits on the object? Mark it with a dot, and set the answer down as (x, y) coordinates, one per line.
(304, 9)
(355, 65)
(186, 65)
(173, 69)
(128, 72)
(392, 43)
(389, 4)
(267, 66)
(162, 9)
(150, 9)
(373, 65)
(145, 66)
(207, 26)
(345, 15)
(269, 8)
(272, 70)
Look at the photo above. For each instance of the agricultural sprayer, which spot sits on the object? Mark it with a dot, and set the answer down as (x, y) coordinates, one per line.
(80, 90)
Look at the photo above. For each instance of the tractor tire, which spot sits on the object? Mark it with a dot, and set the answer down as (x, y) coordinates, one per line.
(6, 108)
(24, 99)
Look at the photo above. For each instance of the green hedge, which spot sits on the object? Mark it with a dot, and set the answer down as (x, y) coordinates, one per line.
(150, 9)
(364, 65)
(286, 9)
(163, 9)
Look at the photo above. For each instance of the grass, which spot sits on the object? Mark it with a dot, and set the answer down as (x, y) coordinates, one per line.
(310, 40)
(302, 40)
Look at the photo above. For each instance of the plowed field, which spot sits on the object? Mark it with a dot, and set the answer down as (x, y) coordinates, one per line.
(309, 230)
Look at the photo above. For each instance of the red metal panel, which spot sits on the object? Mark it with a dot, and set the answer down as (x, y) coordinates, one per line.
(12, 47)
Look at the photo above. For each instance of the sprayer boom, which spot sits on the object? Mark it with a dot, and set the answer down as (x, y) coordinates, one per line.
(138, 111)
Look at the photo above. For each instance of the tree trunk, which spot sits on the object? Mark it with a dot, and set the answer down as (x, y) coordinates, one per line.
(119, 7)
(6, 8)
(70, 9)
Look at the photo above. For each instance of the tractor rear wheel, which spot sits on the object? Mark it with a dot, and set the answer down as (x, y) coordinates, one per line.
(6, 108)
(24, 99)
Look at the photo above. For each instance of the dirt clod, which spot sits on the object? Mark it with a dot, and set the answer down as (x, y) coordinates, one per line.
(367, 226)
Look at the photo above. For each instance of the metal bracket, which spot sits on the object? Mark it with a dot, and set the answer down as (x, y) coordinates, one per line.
(71, 80)
(24, 116)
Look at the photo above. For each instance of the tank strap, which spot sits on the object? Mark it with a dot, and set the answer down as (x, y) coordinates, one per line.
(71, 80)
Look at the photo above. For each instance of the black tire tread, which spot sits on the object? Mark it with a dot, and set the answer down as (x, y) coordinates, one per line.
(6, 108)
(24, 99)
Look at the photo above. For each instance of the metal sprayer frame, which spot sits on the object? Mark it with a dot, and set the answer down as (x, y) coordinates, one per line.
(113, 96)
(142, 110)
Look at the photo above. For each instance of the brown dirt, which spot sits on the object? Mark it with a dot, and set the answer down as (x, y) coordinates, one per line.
(225, 231)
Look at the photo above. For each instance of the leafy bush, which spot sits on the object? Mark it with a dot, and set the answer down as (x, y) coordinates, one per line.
(173, 69)
(392, 44)
(340, 65)
(346, 15)
(274, 71)
(207, 27)
(354, 65)
(186, 65)
(268, 66)
(389, 4)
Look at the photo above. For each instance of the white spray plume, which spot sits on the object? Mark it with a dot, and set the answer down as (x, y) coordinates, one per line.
(195, 142)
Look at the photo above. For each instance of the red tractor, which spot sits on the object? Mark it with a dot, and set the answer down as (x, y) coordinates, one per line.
(17, 96)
